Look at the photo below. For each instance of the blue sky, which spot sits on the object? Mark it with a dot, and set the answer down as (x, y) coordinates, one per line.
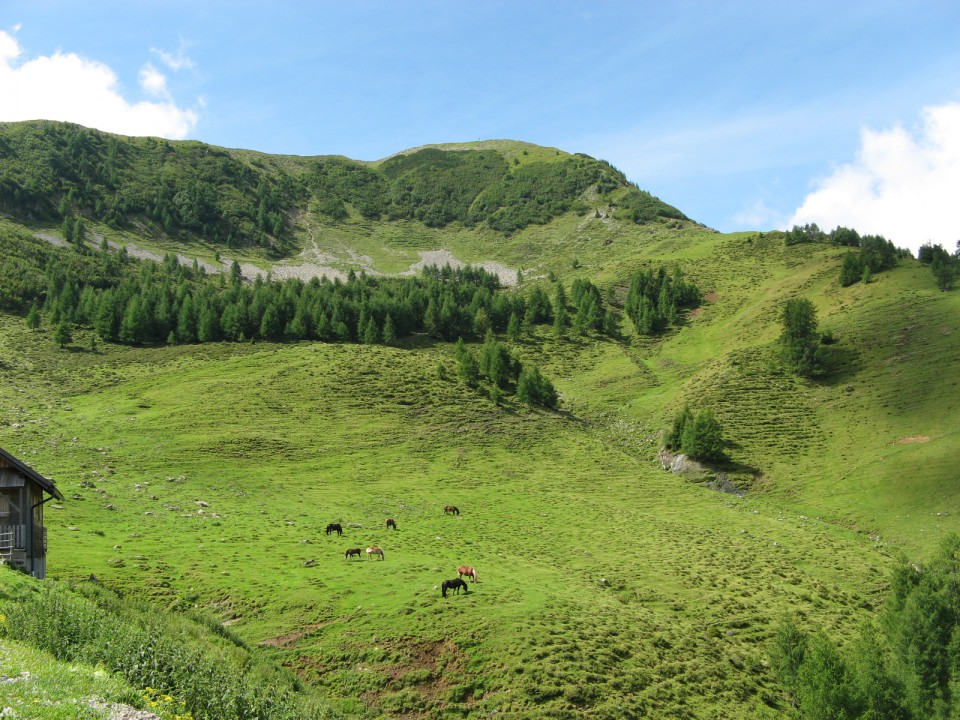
(745, 115)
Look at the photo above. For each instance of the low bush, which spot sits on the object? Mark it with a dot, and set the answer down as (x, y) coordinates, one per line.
(215, 677)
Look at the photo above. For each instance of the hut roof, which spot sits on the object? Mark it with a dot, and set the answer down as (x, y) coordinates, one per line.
(45, 483)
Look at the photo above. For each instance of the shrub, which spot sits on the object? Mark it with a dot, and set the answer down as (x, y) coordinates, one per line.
(699, 437)
(216, 679)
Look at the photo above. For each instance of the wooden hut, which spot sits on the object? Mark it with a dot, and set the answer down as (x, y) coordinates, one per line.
(23, 538)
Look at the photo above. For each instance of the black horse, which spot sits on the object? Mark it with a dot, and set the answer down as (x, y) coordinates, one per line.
(334, 528)
(454, 585)
(353, 552)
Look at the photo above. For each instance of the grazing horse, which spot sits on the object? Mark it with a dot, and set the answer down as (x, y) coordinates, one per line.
(451, 510)
(391, 523)
(334, 528)
(371, 551)
(470, 572)
(351, 552)
(454, 585)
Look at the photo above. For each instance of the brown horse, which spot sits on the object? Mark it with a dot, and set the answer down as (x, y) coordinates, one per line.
(351, 552)
(454, 585)
(466, 570)
(391, 523)
(371, 551)
(451, 510)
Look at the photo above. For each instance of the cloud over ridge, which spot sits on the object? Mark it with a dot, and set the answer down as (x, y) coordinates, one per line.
(68, 87)
(903, 184)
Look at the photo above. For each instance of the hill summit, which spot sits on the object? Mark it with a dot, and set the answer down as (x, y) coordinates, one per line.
(237, 198)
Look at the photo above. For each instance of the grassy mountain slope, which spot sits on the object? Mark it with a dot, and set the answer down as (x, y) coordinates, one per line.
(608, 586)
(200, 195)
(205, 475)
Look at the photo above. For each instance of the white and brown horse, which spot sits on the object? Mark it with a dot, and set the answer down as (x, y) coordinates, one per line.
(371, 551)
(467, 571)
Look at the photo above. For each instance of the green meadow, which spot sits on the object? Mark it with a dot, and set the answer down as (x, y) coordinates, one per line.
(204, 476)
(199, 478)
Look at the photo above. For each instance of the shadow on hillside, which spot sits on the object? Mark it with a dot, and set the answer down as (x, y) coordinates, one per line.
(731, 466)
(839, 365)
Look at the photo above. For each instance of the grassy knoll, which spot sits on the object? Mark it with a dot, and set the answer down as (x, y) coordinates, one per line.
(204, 476)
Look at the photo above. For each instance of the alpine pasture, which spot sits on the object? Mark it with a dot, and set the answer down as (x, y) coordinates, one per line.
(202, 478)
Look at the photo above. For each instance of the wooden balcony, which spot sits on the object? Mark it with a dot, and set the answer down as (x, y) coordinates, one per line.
(13, 544)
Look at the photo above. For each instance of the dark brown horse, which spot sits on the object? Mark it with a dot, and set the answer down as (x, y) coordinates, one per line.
(466, 570)
(451, 510)
(351, 552)
(391, 523)
(371, 551)
(334, 528)
(454, 585)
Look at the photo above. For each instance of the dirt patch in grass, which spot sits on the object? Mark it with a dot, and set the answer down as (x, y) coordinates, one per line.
(912, 439)
(429, 669)
(437, 655)
(290, 639)
(711, 297)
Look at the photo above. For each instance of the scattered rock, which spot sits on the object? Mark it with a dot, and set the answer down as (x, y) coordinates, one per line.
(119, 711)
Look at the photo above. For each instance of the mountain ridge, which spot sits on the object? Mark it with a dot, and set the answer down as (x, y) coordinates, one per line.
(193, 192)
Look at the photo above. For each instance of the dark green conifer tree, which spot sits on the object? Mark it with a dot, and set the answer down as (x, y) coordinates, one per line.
(800, 340)
(33, 317)
(389, 332)
(513, 327)
(62, 334)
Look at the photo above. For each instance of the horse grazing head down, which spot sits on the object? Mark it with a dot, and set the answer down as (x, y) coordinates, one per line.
(451, 510)
(454, 585)
(351, 552)
(391, 523)
(334, 528)
(371, 551)
(467, 571)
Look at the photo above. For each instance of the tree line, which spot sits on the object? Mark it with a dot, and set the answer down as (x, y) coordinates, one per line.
(145, 302)
(167, 302)
(945, 267)
(874, 254)
(171, 303)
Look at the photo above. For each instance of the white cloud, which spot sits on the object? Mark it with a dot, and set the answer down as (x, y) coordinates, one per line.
(758, 217)
(904, 185)
(65, 86)
(175, 61)
(154, 82)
